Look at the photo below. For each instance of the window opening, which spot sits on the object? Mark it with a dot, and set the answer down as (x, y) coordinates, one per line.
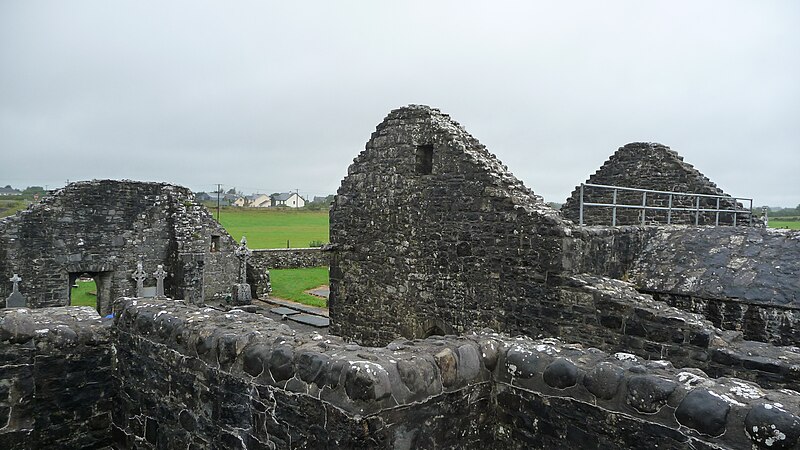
(425, 159)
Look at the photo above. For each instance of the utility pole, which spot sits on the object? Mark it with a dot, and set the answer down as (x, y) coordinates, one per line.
(219, 190)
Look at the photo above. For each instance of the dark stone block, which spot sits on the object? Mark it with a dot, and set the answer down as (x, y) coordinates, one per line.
(311, 367)
(603, 381)
(521, 363)
(770, 426)
(648, 393)
(254, 357)
(280, 363)
(703, 412)
(151, 430)
(561, 374)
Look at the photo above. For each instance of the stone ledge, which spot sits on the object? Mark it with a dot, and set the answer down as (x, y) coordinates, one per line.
(364, 381)
(54, 327)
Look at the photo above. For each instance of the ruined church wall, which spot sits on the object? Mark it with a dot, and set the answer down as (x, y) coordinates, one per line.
(612, 316)
(207, 378)
(104, 228)
(291, 258)
(647, 165)
(744, 279)
(236, 380)
(56, 380)
(434, 246)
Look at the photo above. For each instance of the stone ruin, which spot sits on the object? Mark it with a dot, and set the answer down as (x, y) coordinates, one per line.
(652, 166)
(436, 248)
(104, 229)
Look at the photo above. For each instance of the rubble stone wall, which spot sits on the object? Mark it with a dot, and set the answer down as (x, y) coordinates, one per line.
(207, 378)
(103, 228)
(649, 165)
(291, 258)
(744, 279)
(432, 235)
(56, 380)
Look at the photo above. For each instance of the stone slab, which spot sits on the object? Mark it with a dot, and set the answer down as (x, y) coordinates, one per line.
(310, 319)
(16, 300)
(320, 292)
(300, 307)
(284, 311)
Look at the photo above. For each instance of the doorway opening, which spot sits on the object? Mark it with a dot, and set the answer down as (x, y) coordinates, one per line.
(90, 289)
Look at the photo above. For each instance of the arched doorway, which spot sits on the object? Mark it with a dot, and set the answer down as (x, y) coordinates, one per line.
(80, 283)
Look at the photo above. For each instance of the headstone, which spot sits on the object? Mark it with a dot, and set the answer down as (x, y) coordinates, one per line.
(241, 294)
(16, 299)
(160, 274)
(139, 275)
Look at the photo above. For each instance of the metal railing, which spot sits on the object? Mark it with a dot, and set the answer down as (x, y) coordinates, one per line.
(670, 208)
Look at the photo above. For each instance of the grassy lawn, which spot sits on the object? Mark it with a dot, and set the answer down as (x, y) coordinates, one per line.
(85, 294)
(792, 225)
(271, 228)
(289, 284)
(10, 207)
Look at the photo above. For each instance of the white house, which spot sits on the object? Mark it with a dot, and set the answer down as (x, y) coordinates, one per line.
(254, 201)
(288, 199)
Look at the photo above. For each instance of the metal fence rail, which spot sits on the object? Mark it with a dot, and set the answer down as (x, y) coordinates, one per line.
(670, 208)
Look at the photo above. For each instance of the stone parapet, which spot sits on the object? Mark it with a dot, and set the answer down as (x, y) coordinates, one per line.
(212, 378)
(56, 381)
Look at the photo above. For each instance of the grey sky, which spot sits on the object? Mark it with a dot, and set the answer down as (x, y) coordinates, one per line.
(272, 96)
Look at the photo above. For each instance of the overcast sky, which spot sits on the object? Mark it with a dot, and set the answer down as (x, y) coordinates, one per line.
(276, 96)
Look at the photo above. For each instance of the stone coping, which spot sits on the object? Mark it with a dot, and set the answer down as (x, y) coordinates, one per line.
(367, 380)
(54, 327)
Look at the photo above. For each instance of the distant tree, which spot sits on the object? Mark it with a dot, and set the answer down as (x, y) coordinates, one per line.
(231, 191)
(33, 189)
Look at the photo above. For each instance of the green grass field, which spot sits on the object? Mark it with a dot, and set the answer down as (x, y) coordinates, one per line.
(10, 207)
(792, 225)
(85, 294)
(290, 284)
(271, 228)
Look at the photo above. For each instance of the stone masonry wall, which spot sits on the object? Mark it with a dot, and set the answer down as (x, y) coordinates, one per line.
(102, 228)
(648, 165)
(56, 381)
(291, 258)
(744, 279)
(206, 378)
(432, 235)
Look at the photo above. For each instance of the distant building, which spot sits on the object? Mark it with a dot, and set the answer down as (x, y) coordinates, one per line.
(202, 197)
(288, 199)
(8, 190)
(254, 201)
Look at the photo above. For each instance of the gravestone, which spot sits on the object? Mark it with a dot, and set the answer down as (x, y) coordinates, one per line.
(139, 275)
(241, 294)
(160, 274)
(16, 299)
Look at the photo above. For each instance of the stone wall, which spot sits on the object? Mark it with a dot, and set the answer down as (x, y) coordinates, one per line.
(432, 235)
(207, 378)
(291, 258)
(649, 165)
(102, 228)
(742, 279)
(56, 381)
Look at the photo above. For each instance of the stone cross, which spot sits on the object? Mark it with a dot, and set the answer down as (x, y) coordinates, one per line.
(160, 274)
(139, 276)
(243, 253)
(16, 299)
(15, 279)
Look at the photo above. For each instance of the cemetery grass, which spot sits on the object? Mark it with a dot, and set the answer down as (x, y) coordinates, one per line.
(85, 294)
(290, 284)
(790, 224)
(272, 228)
